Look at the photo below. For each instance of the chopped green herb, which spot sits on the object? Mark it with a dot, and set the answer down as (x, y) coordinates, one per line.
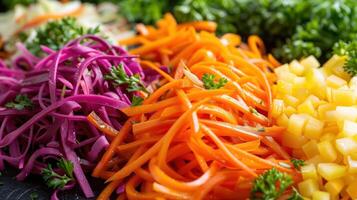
(270, 185)
(54, 180)
(34, 196)
(136, 101)
(349, 50)
(57, 33)
(118, 76)
(297, 163)
(21, 102)
(295, 195)
(209, 82)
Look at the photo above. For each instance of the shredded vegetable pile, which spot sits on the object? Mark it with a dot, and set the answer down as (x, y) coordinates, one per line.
(206, 132)
(44, 104)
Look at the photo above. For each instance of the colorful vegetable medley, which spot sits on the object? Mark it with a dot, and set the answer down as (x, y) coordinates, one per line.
(185, 108)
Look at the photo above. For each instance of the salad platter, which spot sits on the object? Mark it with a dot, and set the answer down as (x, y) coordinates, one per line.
(184, 99)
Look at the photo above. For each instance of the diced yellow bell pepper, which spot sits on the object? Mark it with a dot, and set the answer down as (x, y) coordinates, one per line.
(352, 165)
(334, 187)
(327, 151)
(344, 97)
(352, 190)
(296, 124)
(313, 128)
(310, 62)
(289, 110)
(308, 171)
(322, 109)
(293, 140)
(291, 101)
(346, 146)
(308, 187)
(310, 149)
(335, 81)
(278, 108)
(306, 107)
(296, 68)
(346, 113)
(319, 195)
(282, 120)
(349, 129)
(330, 171)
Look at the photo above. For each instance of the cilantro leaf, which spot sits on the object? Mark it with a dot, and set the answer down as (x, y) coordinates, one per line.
(210, 83)
(118, 76)
(270, 185)
(349, 50)
(54, 180)
(297, 163)
(21, 102)
(136, 101)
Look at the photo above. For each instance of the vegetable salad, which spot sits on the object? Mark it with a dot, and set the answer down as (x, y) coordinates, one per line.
(185, 108)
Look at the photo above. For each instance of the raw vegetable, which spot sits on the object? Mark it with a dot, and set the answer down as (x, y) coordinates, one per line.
(53, 179)
(62, 87)
(186, 141)
(318, 107)
(210, 83)
(297, 163)
(350, 51)
(270, 185)
(55, 34)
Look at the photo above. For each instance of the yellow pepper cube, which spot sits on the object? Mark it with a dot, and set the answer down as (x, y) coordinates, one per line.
(284, 87)
(291, 100)
(293, 141)
(296, 124)
(313, 128)
(306, 107)
(346, 146)
(314, 100)
(319, 195)
(334, 187)
(282, 120)
(322, 109)
(352, 190)
(308, 171)
(310, 149)
(347, 113)
(352, 165)
(278, 108)
(330, 171)
(296, 68)
(308, 187)
(289, 110)
(310, 62)
(344, 97)
(327, 151)
(335, 81)
(280, 71)
(349, 129)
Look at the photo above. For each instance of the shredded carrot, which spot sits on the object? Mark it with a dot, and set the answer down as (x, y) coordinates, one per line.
(185, 141)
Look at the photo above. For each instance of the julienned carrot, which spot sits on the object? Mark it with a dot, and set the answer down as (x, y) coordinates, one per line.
(193, 138)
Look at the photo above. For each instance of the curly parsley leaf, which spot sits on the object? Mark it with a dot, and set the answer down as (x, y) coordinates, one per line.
(136, 101)
(270, 185)
(21, 102)
(297, 163)
(295, 195)
(54, 180)
(118, 77)
(55, 34)
(349, 50)
(210, 83)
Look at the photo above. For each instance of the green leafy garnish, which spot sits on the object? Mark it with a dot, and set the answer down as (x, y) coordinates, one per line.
(270, 185)
(297, 163)
(21, 102)
(295, 195)
(54, 180)
(210, 83)
(34, 196)
(349, 50)
(136, 101)
(57, 33)
(118, 77)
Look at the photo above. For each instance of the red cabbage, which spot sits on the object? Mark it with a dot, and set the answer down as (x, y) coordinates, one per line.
(64, 87)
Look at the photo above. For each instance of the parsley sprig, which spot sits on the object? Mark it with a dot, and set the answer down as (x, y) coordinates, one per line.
(210, 83)
(56, 181)
(21, 102)
(270, 185)
(118, 76)
(136, 100)
(349, 50)
(297, 163)
(57, 33)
